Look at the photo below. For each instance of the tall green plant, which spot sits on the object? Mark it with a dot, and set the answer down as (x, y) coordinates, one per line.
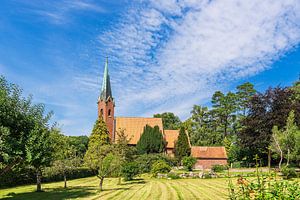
(151, 141)
(182, 145)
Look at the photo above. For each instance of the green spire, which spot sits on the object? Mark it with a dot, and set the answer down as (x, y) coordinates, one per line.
(106, 89)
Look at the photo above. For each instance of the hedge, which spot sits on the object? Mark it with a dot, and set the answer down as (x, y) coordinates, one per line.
(27, 175)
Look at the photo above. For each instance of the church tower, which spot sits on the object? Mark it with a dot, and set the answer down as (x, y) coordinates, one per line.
(106, 103)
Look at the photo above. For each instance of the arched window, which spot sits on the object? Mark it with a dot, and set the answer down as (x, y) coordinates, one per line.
(101, 113)
(109, 113)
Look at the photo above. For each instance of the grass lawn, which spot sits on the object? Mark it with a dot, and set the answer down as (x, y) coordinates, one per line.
(147, 188)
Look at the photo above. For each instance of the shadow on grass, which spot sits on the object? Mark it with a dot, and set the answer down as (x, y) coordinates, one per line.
(55, 193)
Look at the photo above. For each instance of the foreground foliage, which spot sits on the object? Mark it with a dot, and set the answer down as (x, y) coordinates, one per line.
(264, 187)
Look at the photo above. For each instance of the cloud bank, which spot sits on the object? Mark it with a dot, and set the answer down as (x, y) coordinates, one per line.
(168, 55)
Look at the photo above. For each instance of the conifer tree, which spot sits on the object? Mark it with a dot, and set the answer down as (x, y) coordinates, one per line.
(151, 141)
(99, 134)
(182, 146)
(97, 140)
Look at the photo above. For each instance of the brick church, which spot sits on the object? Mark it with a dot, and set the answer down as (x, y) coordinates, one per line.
(134, 126)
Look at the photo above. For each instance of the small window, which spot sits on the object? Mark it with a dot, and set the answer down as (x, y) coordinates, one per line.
(109, 113)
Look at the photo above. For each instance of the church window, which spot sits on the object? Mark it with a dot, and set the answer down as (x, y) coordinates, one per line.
(109, 113)
(101, 113)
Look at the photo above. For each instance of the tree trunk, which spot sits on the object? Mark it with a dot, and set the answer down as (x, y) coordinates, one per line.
(288, 158)
(269, 158)
(281, 158)
(38, 181)
(279, 149)
(101, 183)
(65, 180)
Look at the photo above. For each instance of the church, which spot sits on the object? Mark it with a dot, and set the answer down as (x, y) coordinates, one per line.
(134, 126)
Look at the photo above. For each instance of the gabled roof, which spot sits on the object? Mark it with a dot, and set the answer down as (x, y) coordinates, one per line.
(208, 152)
(134, 126)
(106, 88)
(171, 137)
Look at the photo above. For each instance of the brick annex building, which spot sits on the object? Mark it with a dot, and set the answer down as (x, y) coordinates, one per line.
(134, 126)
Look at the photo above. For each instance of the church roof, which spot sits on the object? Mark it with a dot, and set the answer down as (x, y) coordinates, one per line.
(134, 126)
(171, 137)
(106, 88)
(208, 152)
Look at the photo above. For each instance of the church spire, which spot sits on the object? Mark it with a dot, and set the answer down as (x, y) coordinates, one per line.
(106, 89)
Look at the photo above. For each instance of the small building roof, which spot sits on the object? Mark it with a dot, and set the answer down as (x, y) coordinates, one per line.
(208, 152)
(171, 137)
(134, 126)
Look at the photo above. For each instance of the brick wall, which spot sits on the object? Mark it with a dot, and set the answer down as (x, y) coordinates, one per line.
(106, 109)
(208, 163)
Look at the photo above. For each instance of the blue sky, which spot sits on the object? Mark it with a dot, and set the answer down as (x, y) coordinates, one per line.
(164, 55)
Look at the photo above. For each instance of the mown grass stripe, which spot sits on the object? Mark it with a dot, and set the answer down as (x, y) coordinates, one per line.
(148, 192)
(178, 192)
(185, 186)
(205, 191)
(135, 192)
(169, 192)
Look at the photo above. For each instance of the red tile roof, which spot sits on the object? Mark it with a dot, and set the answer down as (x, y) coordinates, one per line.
(208, 152)
(134, 126)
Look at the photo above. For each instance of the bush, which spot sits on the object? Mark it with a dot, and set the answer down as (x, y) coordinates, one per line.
(236, 165)
(288, 172)
(188, 162)
(173, 175)
(147, 160)
(160, 166)
(219, 168)
(129, 170)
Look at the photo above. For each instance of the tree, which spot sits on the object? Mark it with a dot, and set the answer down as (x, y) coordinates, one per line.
(64, 154)
(202, 129)
(107, 166)
(151, 141)
(285, 140)
(244, 93)
(125, 153)
(182, 145)
(266, 110)
(18, 118)
(100, 135)
(188, 162)
(170, 121)
(79, 144)
(101, 156)
(39, 150)
(224, 107)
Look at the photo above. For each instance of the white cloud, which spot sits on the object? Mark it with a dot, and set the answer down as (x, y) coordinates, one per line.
(169, 55)
(59, 12)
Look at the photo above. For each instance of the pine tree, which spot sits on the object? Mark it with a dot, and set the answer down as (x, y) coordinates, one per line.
(182, 146)
(151, 141)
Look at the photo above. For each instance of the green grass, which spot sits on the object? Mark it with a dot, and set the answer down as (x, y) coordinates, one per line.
(147, 188)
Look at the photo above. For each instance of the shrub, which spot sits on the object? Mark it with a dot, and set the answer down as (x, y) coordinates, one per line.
(188, 162)
(147, 160)
(288, 172)
(219, 168)
(160, 166)
(129, 170)
(173, 175)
